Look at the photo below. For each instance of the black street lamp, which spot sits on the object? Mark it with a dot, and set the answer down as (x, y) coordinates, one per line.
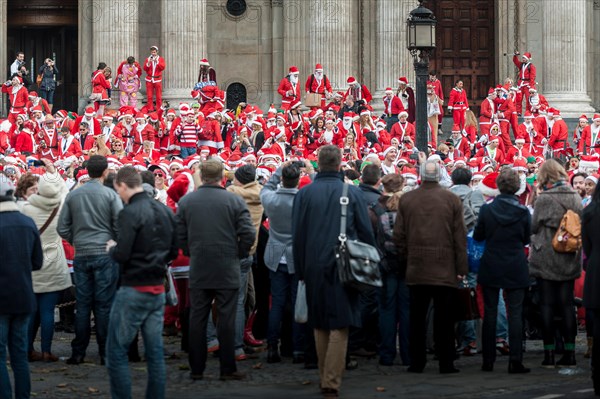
(420, 29)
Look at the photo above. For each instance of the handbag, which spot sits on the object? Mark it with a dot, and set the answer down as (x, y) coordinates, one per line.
(313, 100)
(170, 293)
(301, 308)
(357, 262)
(466, 304)
(38, 79)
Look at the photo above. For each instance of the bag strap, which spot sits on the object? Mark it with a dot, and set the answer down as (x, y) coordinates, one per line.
(50, 219)
(344, 203)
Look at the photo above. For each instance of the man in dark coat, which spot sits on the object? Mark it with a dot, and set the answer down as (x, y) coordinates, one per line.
(430, 231)
(215, 230)
(21, 250)
(315, 229)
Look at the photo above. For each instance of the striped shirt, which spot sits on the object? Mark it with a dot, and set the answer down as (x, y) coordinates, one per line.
(187, 134)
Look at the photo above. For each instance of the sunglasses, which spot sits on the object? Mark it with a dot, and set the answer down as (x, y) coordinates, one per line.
(159, 174)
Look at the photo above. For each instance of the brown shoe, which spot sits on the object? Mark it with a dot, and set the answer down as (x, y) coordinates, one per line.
(329, 393)
(49, 357)
(236, 375)
(35, 356)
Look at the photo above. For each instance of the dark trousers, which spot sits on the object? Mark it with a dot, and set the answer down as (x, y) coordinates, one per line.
(201, 304)
(596, 350)
(557, 296)
(443, 323)
(514, 309)
(366, 335)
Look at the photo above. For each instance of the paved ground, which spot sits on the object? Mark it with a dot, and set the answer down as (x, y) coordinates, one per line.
(289, 381)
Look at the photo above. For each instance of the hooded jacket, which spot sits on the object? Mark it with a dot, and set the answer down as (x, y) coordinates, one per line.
(505, 225)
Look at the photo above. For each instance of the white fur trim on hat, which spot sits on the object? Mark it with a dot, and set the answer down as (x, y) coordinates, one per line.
(520, 140)
(488, 191)
(592, 178)
(403, 113)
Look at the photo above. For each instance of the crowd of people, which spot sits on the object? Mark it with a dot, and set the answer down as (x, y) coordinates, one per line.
(241, 207)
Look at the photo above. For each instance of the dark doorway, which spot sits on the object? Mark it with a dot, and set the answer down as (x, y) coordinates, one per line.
(47, 29)
(236, 93)
(465, 46)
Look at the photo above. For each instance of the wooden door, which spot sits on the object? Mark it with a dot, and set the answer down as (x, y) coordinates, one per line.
(465, 46)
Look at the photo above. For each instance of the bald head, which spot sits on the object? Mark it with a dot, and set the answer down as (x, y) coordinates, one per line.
(430, 171)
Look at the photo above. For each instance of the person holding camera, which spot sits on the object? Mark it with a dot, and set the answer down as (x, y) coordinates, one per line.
(154, 67)
(49, 76)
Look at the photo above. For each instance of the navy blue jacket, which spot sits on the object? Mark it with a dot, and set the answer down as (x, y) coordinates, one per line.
(505, 225)
(21, 250)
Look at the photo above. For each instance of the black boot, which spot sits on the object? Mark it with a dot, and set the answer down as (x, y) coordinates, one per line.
(567, 359)
(273, 354)
(548, 359)
(515, 367)
(596, 382)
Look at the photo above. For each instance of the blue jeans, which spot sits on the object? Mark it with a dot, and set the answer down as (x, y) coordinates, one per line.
(132, 311)
(466, 330)
(502, 320)
(284, 288)
(47, 95)
(44, 318)
(13, 334)
(187, 152)
(394, 307)
(95, 286)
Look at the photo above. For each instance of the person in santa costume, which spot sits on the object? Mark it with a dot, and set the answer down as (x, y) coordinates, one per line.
(86, 140)
(536, 102)
(492, 151)
(359, 92)
(517, 151)
(458, 103)
(346, 125)
(460, 142)
(100, 87)
(590, 137)
(504, 113)
(89, 118)
(17, 97)
(25, 144)
(142, 131)
(439, 93)
(319, 83)
(403, 129)
(525, 192)
(154, 67)
(392, 107)
(276, 145)
(559, 136)
(128, 81)
(207, 76)
(5, 127)
(527, 76)
(388, 163)
(329, 135)
(487, 112)
(582, 123)
(289, 88)
(35, 100)
(47, 139)
(211, 99)
(210, 133)
(68, 145)
(407, 95)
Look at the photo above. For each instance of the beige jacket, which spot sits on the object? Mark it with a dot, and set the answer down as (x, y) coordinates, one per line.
(54, 274)
(251, 195)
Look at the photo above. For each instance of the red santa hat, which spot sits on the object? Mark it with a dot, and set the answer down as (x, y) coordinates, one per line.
(282, 116)
(28, 126)
(33, 94)
(176, 162)
(551, 111)
(527, 56)
(556, 113)
(387, 149)
(403, 113)
(154, 48)
(388, 90)
(153, 117)
(89, 111)
(460, 161)
(162, 167)
(294, 70)
(520, 139)
(365, 112)
(456, 128)
(583, 118)
(204, 62)
(528, 115)
(593, 178)
(140, 115)
(113, 162)
(82, 175)
(589, 162)
(271, 116)
(182, 185)
(596, 117)
(351, 80)
(488, 186)
(491, 91)
(20, 79)
(403, 80)
(532, 89)
(295, 104)
(107, 117)
(37, 108)
(520, 165)
(348, 115)
(318, 67)
(62, 114)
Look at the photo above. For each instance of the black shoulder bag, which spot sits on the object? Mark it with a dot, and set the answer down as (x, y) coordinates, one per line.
(357, 262)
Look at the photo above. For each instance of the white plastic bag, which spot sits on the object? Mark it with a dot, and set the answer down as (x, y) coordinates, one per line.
(170, 293)
(301, 308)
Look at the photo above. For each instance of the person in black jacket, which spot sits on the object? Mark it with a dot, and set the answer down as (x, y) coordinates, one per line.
(145, 243)
(505, 225)
(590, 234)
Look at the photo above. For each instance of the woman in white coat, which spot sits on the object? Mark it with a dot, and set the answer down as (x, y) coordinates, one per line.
(53, 277)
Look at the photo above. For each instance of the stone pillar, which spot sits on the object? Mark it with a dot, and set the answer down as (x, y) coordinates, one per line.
(332, 41)
(3, 55)
(295, 46)
(393, 58)
(184, 39)
(277, 47)
(564, 81)
(85, 50)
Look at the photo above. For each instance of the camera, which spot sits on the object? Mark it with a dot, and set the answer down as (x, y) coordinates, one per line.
(35, 163)
(346, 150)
(299, 164)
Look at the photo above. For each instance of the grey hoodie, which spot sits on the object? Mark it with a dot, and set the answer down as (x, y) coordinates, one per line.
(474, 201)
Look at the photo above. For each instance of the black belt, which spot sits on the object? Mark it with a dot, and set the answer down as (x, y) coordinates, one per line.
(392, 115)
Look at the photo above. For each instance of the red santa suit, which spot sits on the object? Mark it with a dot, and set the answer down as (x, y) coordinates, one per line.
(401, 130)
(590, 137)
(496, 155)
(515, 152)
(392, 107)
(210, 135)
(50, 138)
(486, 115)
(289, 92)
(17, 98)
(536, 103)
(321, 86)
(533, 140)
(93, 125)
(527, 76)
(25, 143)
(69, 147)
(154, 68)
(559, 136)
(342, 132)
(458, 103)
(462, 146)
(358, 92)
(505, 111)
(100, 87)
(37, 101)
(141, 132)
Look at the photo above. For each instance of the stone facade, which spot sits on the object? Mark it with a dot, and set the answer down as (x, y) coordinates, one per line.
(362, 38)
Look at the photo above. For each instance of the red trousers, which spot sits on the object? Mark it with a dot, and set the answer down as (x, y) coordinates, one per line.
(459, 117)
(505, 133)
(523, 94)
(151, 89)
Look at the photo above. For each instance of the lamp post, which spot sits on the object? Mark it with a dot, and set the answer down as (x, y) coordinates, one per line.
(420, 27)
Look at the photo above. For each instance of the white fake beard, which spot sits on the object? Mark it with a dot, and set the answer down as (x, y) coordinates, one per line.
(140, 127)
(347, 124)
(319, 75)
(523, 187)
(294, 79)
(328, 136)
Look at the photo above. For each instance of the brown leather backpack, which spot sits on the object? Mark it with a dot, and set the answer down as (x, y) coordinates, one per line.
(568, 235)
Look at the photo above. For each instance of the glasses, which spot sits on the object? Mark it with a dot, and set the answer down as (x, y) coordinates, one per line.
(117, 144)
(159, 174)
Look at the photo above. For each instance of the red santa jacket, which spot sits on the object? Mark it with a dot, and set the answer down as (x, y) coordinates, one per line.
(361, 93)
(462, 145)
(312, 85)
(100, 84)
(437, 88)
(514, 152)
(154, 69)
(211, 99)
(94, 125)
(24, 142)
(17, 99)
(590, 136)
(4, 142)
(536, 104)
(559, 136)
(38, 101)
(470, 132)
(506, 109)
(401, 130)
(69, 147)
(210, 135)
(458, 100)
(486, 112)
(485, 152)
(141, 134)
(527, 72)
(285, 86)
(533, 140)
(393, 106)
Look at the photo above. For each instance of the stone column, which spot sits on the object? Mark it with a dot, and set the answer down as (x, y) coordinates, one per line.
(184, 39)
(333, 41)
(3, 55)
(393, 59)
(85, 50)
(278, 48)
(564, 81)
(295, 43)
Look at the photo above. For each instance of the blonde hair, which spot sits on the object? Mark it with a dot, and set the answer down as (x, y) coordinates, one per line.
(443, 147)
(551, 172)
(470, 119)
